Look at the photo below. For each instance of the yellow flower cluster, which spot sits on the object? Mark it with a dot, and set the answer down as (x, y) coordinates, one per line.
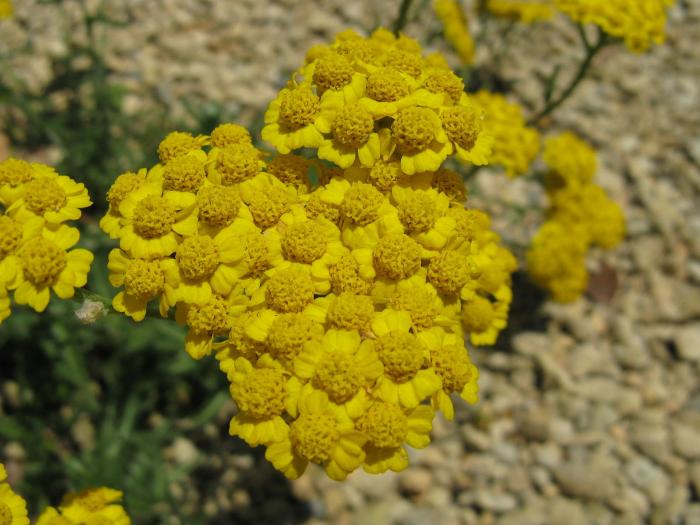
(640, 23)
(455, 28)
(525, 11)
(515, 144)
(580, 215)
(13, 508)
(35, 243)
(365, 100)
(91, 506)
(6, 9)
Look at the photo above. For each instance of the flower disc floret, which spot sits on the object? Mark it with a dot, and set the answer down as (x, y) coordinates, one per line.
(10, 235)
(14, 172)
(178, 143)
(261, 394)
(445, 81)
(123, 186)
(218, 205)
(304, 242)
(387, 85)
(351, 312)
(449, 271)
(288, 334)
(338, 376)
(450, 183)
(384, 175)
(463, 124)
(228, 134)
(314, 435)
(184, 173)
(317, 207)
(332, 71)
(298, 108)
(197, 257)
(44, 194)
(345, 277)
(290, 169)
(268, 206)
(289, 290)
(401, 354)
(477, 314)
(396, 256)
(236, 163)
(418, 302)
(453, 366)
(404, 61)
(413, 129)
(143, 279)
(209, 318)
(42, 261)
(154, 217)
(255, 254)
(361, 203)
(384, 424)
(352, 126)
(357, 49)
(418, 212)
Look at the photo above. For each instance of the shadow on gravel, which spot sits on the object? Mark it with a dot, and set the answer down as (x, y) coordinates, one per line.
(525, 311)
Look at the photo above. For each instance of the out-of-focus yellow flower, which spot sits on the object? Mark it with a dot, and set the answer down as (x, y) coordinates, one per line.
(6, 9)
(96, 505)
(526, 11)
(13, 508)
(456, 28)
(571, 161)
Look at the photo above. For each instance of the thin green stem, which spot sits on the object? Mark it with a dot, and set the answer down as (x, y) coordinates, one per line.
(583, 69)
(403, 16)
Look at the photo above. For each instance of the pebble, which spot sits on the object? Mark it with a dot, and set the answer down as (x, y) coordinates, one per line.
(648, 477)
(415, 481)
(585, 480)
(686, 441)
(688, 342)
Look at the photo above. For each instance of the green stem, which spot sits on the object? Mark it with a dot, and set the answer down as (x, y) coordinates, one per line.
(583, 69)
(403, 16)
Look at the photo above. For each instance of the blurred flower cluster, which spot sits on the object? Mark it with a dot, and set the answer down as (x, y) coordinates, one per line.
(36, 246)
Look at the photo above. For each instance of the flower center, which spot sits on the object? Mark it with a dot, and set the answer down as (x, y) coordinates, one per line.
(418, 302)
(289, 333)
(453, 366)
(384, 175)
(352, 126)
(15, 172)
(387, 85)
(5, 514)
(290, 290)
(236, 163)
(384, 424)
(218, 205)
(267, 207)
(153, 217)
(332, 71)
(239, 340)
(10, 235)
(290, 169)
(143, 279)
(255, 254)
(361, 203)
(92, 500)
(445, 81)
(401, 354)
(261, 394)
(316, 207)
(462, 125)
(122, 186)
(44, 194)
(209, 318)
(449, 271)
(197, 257)
(313, 436)
(450, 183)
(477, 314)
(357, 49)
(405, 61)
(304, 242)
(338, 376)
(471, 224)
(396, 256)
(184, 173)
(42, 261)
(228, 134)
(351, 312)
(176, 144)
(345, 277)
(413, 129)
(418, 212)
(298, 108)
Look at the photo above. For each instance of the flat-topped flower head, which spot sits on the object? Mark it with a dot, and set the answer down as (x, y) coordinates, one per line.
(289, 290)
(396, 256)
(228, 134)
(179, 143)
(321, 434)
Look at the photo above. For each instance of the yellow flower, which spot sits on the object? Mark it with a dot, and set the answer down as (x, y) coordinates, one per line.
(95, 505)
(14, 174)
(388, 90)
(322, 434)
(455, 28)
(13, 235)
(352, 137)
(260, 393)
(425, 306)
(387, 427)
(464, 128)
(233, 163)
(423, 214)
(206, 321)
(571, 161)
(229, 133)
(525, 11)
(295, 120)
(47, 265)
(179, 143)
(450, 358)
(6, 9)
(143, 280)
(5, 310)
(218, 206)
(268, 199)
(291, 170)
(406, 379)
(341, 366)
(122, 186)
(335, 73)
(13, 508)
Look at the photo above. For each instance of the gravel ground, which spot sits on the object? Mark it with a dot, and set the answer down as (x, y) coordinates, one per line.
(590, 412)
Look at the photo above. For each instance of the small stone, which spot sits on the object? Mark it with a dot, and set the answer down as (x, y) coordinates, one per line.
(691, 515)
(686, 441)
(585, 480)
(563, 510)
(534, 424)
(495, 501)
(651, 479)
(688, 342)
(415, 481)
